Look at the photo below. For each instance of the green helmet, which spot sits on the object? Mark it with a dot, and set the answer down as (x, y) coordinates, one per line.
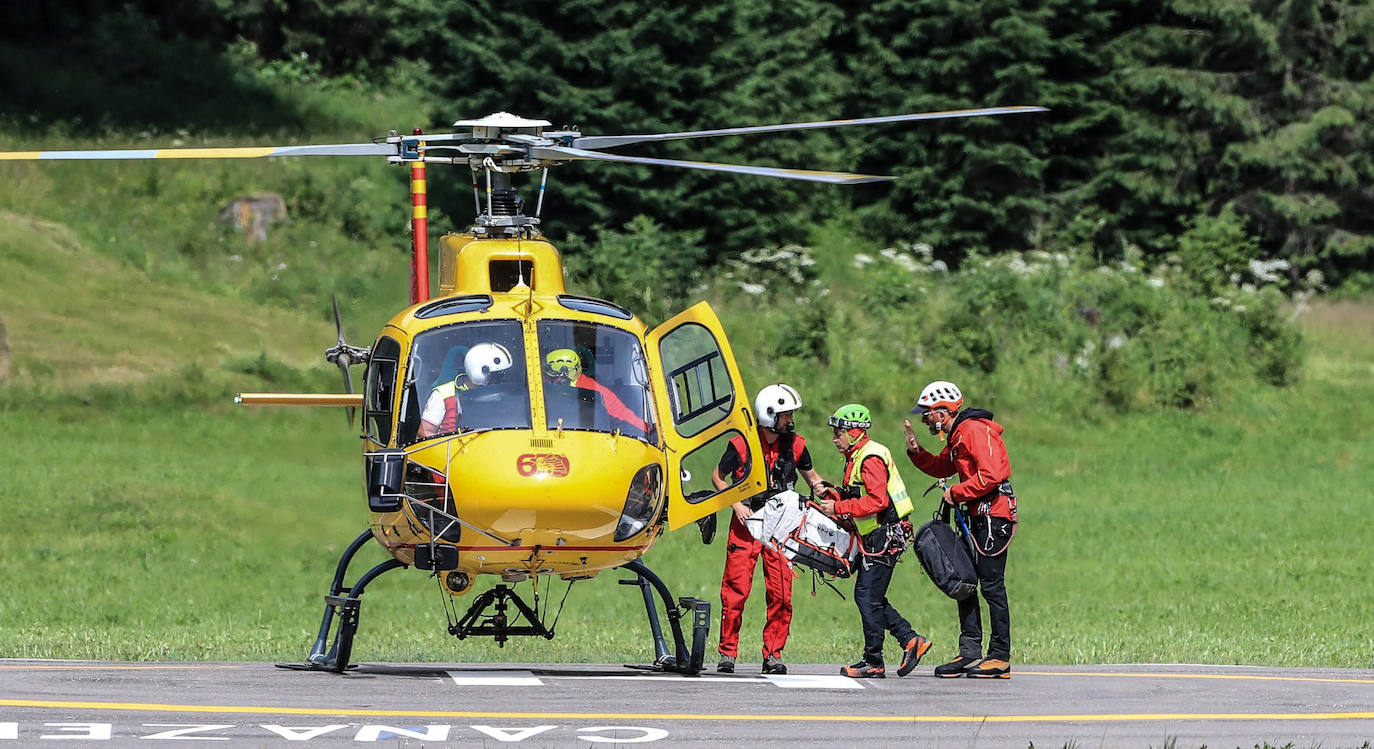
(852, 416)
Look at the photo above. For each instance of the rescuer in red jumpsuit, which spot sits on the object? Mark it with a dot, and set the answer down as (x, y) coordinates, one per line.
(785, 455)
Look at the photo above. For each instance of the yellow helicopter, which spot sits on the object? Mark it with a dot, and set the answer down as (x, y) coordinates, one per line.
(513, 429)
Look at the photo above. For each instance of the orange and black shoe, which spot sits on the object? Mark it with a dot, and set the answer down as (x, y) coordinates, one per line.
(955, 668)
(864, 670)
(911, 655)
(990, 669)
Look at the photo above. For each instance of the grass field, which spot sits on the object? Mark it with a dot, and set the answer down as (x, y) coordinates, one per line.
(149, 518)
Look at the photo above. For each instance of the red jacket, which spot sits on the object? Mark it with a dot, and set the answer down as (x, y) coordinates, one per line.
(873, 473)
(975, 452)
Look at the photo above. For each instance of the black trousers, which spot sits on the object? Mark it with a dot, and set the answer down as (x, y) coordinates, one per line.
(876, 614)
(991, 580)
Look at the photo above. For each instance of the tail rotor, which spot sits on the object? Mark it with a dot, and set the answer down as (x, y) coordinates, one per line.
(344, 356)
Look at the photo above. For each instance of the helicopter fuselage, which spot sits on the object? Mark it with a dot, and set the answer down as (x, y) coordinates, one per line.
(553, 459)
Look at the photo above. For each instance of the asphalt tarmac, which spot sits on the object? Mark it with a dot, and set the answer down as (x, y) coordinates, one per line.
(586, 705)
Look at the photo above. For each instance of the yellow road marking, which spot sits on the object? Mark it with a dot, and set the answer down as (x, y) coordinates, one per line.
(1165, 675)
(1083, 718)
(102, 667)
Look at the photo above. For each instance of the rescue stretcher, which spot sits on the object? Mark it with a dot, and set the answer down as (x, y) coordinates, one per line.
(803, 534)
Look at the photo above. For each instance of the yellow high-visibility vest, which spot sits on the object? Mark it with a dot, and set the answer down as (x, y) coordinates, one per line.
(896, 489)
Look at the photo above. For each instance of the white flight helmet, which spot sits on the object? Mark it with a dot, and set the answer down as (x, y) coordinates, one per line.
(774, 400)
(484, 360)
(939, 394)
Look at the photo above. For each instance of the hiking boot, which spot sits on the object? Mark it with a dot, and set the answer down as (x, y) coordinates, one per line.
(774, 665)
(726, 665)
(990, 669)
(863, 670)
(911, 655)
(955, 668)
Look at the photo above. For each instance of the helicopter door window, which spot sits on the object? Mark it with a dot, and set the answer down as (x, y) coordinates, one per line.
(465, 377)
(726, 456)
(381, 383)
(595, 379)
(701, 393)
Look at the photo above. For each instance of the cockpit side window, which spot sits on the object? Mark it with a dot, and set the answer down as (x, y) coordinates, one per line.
(381, 383)
(595, 380)
(465, 377)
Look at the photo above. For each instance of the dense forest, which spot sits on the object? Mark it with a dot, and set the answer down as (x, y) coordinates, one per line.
(1250, 120)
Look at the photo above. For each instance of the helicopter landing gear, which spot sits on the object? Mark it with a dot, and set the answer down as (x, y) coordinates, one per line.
(346, 602)
(681, 661)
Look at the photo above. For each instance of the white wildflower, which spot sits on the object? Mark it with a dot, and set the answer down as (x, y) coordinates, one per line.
(905, 262)
(1268, 271)
(1084, 359)
(860, 260)
(752, 289)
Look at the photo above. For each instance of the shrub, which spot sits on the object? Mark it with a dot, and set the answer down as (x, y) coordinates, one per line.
(1037, 328)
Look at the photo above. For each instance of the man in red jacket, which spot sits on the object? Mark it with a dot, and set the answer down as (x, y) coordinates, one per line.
(785, 455)
(975, 452)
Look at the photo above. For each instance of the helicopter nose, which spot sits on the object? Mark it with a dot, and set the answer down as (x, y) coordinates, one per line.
(574, 487)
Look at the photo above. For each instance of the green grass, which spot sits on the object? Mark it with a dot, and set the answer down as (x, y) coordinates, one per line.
(157, 521)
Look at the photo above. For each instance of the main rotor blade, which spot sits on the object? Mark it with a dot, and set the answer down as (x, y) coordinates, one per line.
(250, 152)
(560, 153)
(609, 141)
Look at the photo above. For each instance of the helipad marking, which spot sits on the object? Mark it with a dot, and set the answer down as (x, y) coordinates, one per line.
(495, 678)
(797, 681)
(813, 681)
(739, 717)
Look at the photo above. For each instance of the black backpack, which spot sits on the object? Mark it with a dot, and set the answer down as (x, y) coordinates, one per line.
(945, 558)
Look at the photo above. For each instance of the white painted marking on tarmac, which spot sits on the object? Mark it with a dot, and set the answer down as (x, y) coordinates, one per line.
(814, 681)
(800, 681)
(495, 679)
(512, 734)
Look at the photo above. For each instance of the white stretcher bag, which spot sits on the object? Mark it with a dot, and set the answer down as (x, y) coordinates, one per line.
(804, 535)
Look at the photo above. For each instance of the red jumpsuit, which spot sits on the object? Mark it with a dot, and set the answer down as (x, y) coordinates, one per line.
(742, 552)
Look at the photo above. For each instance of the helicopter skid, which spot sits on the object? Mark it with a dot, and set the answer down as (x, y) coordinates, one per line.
(681, 660)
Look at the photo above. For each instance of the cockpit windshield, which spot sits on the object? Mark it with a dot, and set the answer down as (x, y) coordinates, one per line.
(465, 377)
(595, 379)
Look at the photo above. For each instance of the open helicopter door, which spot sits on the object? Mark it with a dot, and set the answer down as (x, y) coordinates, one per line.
(700, 391)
